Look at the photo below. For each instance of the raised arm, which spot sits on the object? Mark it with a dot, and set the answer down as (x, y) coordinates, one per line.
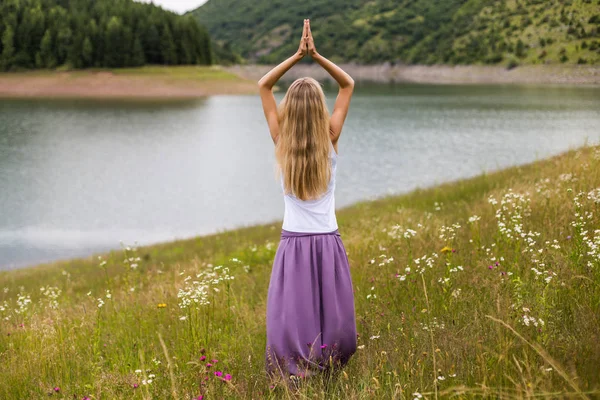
(346, 83)
(267, 82)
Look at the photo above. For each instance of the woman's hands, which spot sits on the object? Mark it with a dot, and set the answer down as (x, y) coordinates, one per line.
(311, 42)
(307, 43)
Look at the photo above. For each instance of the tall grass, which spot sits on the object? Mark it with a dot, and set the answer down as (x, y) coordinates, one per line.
(483, 288)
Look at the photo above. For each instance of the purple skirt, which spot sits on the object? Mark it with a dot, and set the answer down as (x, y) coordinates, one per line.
(311, 324)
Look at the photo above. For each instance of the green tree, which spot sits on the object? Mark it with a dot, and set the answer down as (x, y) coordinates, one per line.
(113, 54)
(47, 57)
(8, 47)
(169, 51)
(87, 54)
(137, 58)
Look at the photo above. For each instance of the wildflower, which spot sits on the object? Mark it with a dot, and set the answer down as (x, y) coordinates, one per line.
(57, 389)
(183, 318)
(138, 371)
(374, 337)
(208, 365)
(441, 378)
(227, 377)
(218, 373)
(202, 358)
(200, 397)
(362, 346)
(446, 249)
(324, 346)
(161, 305)
(135, 385)
(214, 361)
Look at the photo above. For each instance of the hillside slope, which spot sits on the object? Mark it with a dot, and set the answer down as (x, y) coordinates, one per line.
(412, 31)
(46, 34)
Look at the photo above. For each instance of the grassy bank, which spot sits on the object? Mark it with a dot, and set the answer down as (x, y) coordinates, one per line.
(152, 82)
(489, 287)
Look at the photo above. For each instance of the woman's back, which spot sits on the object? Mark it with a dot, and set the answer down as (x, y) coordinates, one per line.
(316, 215)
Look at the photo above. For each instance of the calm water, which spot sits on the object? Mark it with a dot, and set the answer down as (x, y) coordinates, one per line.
(80, 177)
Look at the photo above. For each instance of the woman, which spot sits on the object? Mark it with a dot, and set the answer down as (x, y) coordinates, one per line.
(311, 324)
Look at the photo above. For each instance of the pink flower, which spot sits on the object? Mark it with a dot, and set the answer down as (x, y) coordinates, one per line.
(57, 389)
(208, 365)
(135, 385)
(218, 373)
(227, 377)
(491, 267)
(215, 361)
(202, 358)
(200, 397)
(324, 346)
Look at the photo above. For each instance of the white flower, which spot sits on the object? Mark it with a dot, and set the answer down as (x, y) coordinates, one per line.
(374, 337)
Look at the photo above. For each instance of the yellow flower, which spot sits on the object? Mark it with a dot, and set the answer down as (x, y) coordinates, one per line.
(446, 249)
(161, 305)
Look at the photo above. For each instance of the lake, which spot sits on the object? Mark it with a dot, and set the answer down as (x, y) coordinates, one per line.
(80, 177)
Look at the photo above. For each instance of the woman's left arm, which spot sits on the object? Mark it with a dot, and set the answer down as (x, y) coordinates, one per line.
(267, 82)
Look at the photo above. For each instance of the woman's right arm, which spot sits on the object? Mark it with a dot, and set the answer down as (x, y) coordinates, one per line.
(346, 83)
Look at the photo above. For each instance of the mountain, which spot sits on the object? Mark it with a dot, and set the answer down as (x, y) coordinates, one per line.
(411, 31)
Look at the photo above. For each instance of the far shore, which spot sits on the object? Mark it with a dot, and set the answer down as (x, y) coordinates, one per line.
(441, 74)
(150, 83)
(189, 82)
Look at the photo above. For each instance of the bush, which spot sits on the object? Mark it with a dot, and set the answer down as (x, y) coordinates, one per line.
(564, 58)
(581, 61)
(512, 64)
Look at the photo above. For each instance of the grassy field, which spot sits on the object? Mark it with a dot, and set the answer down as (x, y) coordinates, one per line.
(482, 288)
(187, 72)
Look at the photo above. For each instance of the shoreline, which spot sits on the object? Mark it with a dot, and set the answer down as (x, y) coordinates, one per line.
(441, 74)
(191, 82)
(147, 83)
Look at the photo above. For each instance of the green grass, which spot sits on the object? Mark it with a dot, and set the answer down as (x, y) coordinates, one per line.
(480, 318)
(187, 73)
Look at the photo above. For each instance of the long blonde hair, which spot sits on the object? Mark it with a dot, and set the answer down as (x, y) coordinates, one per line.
(303, 143)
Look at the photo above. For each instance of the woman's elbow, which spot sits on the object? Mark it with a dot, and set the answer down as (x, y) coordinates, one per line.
(349, 84)
(262, 84)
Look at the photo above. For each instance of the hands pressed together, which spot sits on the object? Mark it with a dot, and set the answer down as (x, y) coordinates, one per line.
(307, 43)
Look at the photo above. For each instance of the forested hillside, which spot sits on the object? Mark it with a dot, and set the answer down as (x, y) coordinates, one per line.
(412, 31)
(96, 33)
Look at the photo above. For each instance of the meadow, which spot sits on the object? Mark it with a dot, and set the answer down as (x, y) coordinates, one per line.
(483, 288)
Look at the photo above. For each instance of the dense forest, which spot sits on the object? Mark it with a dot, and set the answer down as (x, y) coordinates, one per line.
(97, 33)
(411, 31)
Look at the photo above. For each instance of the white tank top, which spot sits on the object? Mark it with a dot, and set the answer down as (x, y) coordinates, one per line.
(316, 215)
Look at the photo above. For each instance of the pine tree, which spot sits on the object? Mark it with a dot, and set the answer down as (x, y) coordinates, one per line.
(137, 58)
(87, 55)
(169, 51)
(47, 58)
(8, 47)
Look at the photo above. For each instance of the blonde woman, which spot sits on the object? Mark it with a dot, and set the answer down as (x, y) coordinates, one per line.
(311, 325)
